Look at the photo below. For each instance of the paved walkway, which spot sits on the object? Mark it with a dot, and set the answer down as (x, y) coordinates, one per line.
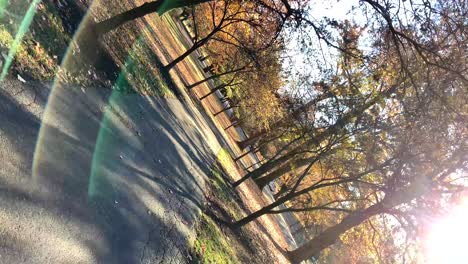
(95, 177)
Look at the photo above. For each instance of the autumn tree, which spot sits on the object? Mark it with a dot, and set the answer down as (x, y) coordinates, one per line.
(391, 130)
(223, 17)
(158, 6)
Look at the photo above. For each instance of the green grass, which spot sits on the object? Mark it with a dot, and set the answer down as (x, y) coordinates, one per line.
(42, 46)
(46, 42)
(220, 186)
(211, 245)
(224, 190)
(29, 57)
(224, 159)
(48, 30)
(142, 73)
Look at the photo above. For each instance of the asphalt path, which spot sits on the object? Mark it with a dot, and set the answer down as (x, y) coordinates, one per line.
(91, 176)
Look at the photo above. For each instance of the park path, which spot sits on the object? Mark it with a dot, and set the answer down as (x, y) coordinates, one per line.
(88, 176)
(172, 38)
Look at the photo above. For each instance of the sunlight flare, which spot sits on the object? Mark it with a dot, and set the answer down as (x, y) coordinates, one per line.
(446, 241)
(24, 27)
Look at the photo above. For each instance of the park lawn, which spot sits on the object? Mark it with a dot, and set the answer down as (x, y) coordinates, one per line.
(211, 244)
(42, 46)
(215, 241)
(37, 52)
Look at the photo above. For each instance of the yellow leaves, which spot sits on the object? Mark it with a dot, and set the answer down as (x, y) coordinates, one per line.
(263, 105)
(366, 243)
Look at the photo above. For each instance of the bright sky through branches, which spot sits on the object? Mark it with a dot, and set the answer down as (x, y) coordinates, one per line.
(298, 66)
(448, 237)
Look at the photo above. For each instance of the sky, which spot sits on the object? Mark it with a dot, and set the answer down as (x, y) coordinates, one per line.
(297, 63)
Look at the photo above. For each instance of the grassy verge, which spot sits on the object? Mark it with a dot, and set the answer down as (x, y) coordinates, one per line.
(224, 191)
(46, 41)
(211, 244)
(215, 244)
(43, 45)
(142, 73)
(224, 159)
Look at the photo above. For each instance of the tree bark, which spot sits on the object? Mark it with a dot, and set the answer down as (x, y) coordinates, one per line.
(294, 193)
(256, 214)
(264, 168)
(204, 58)
(335, 128)
(253, 165)
(263, 143)
(219, 87)
(327, 238)
(264, 180)
(282, 191)
(191, 86)
(235, 123)
(245, 154)
(225, 109)
(252, 139)
(160, 6)
(195, 46)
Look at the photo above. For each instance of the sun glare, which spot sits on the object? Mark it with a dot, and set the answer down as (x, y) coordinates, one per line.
(447, 241)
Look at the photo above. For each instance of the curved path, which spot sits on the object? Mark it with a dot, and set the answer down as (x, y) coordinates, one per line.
(96, 177)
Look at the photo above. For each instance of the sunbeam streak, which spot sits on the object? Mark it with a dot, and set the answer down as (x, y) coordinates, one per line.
(23, 29)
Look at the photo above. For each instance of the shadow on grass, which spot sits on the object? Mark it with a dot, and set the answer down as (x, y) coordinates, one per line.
(223, 206)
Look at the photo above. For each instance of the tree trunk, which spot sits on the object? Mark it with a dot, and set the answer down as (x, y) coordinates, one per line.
(317, 138)
(253, 165)
(327, 238)
(173, 63)
(254, 150)
(264, 168)
(256, 214)
(290, 195)
(160, 6)
(270, 164)
(116, 21)
(294, 115)
(330, 235)
(219, 87)
(203, 58)
(264, 180)
(235, 123)
(335, 128)
(195, 46)
(245, 154)
(252, 139)
(282, 191)
(191, 86)
(279, 161)
(224, 110)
